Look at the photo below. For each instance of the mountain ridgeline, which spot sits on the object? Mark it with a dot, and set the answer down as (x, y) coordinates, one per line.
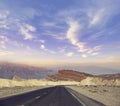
(19, 72)
(9, 70)
(70, 75)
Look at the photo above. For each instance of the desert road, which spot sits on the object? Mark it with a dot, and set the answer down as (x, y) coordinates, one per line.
(53, 96)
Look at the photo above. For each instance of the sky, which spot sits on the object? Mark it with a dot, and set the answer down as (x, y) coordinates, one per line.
(60, 31)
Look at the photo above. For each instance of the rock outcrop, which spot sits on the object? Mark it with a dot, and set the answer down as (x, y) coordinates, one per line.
(100, 81)
(17, 78)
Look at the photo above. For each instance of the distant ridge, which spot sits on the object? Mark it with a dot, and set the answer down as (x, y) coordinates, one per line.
(70, 75)
(110, 76)
(8, 70)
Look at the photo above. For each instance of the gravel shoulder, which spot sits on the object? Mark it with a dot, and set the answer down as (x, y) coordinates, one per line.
(110, 96)
(9, 91)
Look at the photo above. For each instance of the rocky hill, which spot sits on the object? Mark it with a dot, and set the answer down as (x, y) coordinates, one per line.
(68, 75)
(100, 81)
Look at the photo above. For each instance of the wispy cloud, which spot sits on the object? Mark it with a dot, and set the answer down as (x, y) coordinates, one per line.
(2, 45)
(69, 54)
(42, 46)
(40, 41)
(4, 53)
(4, 19)
(26, 30)
(95, 53)
(97, 17)
(79, 29)
(73, 34)
(44, 49)
(56, 35)
(3, 41)
(4, 14)
(62, 49)
(6, 43)
(84, 56)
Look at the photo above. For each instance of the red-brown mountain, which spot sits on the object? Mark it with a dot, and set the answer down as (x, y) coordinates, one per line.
(68, 75)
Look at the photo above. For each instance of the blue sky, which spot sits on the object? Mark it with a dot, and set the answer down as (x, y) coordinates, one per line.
(50, 31)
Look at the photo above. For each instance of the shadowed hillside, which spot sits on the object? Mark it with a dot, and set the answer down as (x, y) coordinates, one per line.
(9, 70)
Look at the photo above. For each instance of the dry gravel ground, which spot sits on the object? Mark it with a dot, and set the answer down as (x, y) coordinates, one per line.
(110, 96)
(7, 91)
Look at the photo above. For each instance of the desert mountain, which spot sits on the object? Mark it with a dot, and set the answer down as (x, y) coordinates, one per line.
(91, 69)
(9, 70)
(68, 75)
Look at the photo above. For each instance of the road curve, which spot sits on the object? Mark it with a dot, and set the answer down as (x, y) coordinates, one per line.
(53, 96)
